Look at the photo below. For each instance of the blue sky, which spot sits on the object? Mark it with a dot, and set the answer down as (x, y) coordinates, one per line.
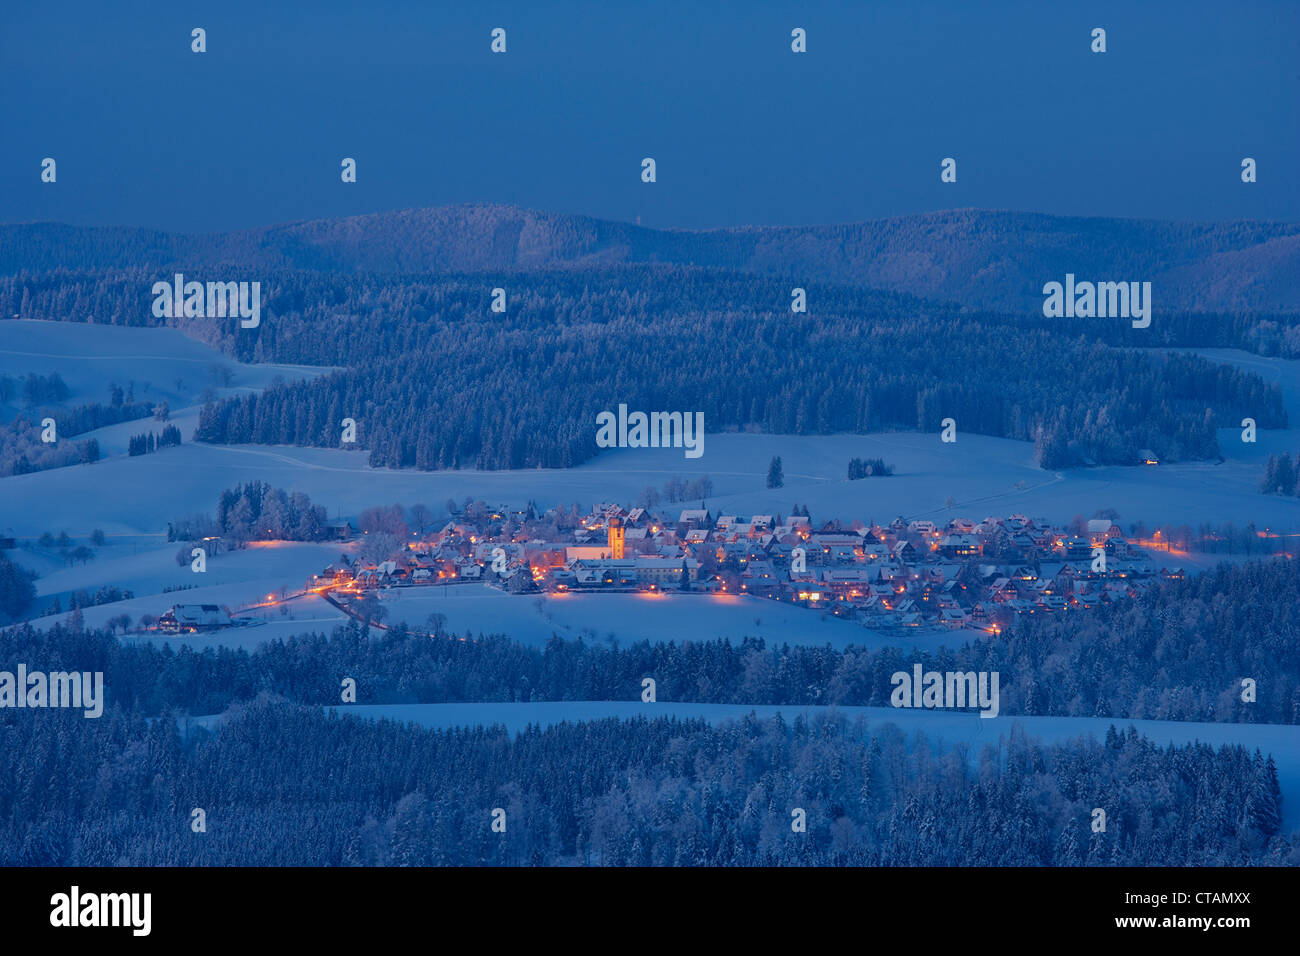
(744, 131)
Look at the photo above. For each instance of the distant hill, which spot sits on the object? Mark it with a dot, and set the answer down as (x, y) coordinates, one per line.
(978, 259)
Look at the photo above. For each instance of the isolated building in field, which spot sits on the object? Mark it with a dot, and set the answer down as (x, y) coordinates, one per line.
(192, 618)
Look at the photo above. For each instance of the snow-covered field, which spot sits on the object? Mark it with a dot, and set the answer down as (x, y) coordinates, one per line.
(162, 364)
(948, 727)
(312, 616)
(245, 578)
(236, 580)
(626, 618)
(149, 569)
(984, 476)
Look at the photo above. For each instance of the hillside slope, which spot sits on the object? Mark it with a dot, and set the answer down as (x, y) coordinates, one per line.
(980, 259)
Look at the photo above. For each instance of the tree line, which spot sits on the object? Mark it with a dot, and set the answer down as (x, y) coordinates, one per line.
(254, 511)
(118, 791)
(149, 442)
(868, 468)
(504, 391)
(23, 449)
(1281, 475)
(504, 395)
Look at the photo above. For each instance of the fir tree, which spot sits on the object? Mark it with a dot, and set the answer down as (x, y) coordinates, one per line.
(775, 477)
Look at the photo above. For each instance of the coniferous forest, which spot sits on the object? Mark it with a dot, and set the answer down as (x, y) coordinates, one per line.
(435, 380)
(290, 785)
(274, 761)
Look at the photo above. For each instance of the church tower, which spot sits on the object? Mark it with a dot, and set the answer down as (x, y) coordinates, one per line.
(616, 534)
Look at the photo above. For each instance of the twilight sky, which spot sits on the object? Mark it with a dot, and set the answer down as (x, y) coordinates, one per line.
(252, 132)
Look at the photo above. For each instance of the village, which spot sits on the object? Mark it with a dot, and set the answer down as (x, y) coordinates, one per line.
(908, 574)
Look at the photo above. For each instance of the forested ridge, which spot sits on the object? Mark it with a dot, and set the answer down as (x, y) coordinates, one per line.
(987, 259)
(286, 785)
(523, 390)
(434, 379)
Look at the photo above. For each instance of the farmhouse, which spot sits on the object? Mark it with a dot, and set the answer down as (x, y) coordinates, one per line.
(192, 618)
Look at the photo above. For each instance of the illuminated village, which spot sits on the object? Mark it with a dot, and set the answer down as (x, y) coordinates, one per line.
(917, 574)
